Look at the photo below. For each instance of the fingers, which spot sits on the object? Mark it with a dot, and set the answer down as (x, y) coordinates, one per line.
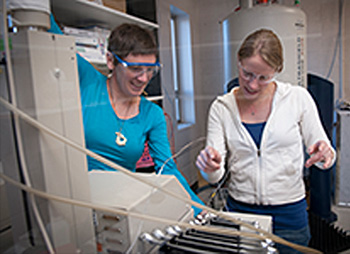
(200, 163)
(312, 148)
(320, 152)
(328, 161)
(208, 160)
(213, 154)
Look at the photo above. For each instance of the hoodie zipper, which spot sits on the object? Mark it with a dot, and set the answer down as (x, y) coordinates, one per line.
(258, 151)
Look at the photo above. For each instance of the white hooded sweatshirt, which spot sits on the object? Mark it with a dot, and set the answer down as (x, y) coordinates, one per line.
(273, 174)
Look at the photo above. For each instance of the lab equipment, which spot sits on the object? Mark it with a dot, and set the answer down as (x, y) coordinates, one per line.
(46, 88)
(130, 234)
(342, 191)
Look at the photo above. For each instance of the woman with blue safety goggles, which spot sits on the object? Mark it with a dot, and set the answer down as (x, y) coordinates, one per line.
(118, 120)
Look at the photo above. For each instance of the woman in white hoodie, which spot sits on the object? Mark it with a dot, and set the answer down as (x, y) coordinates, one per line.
(258, 132)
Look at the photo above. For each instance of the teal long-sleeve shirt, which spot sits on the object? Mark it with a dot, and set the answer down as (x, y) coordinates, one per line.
(101, 123)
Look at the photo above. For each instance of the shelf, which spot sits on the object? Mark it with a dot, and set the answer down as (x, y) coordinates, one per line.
(83, 13)
(87, 14)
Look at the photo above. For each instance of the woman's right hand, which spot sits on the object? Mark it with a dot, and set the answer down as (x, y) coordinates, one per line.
(208, 160)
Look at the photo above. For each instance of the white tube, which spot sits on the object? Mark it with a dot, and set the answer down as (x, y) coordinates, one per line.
(19, 136)
(263, 234)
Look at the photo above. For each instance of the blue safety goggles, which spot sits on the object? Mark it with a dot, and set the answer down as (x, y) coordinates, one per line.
(139, 68)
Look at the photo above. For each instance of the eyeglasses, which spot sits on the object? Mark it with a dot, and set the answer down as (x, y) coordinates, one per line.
(250, 76)
(138, 69)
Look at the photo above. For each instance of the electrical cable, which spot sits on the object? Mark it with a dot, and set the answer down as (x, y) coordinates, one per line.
(28, 188)
(153, 190)
(19, 135)
(162, 220)
(19, 113)
(78, 147)
(338, 40)
(218, 188)
(41, 127)
(179, 152)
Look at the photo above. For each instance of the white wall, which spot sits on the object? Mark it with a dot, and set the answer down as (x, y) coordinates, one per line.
(207, 67)
(322, 29)
(323, 19)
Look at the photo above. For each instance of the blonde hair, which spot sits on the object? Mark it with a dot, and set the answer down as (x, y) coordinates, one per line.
(265, 43)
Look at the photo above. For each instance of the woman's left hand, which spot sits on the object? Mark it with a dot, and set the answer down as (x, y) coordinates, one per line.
(320, 152)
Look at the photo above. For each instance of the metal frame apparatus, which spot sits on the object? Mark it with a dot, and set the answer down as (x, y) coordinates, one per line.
(46, 88)
(126, 233)
(213, 234)
(115, 189)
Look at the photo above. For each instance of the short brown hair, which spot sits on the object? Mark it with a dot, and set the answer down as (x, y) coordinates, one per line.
(265, 43)
(132, 39)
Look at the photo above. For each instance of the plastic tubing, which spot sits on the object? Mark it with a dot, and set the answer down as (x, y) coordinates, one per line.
(19, 135)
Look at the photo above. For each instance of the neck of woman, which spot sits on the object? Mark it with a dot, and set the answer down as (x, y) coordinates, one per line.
(124, 107)
(257, 110)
